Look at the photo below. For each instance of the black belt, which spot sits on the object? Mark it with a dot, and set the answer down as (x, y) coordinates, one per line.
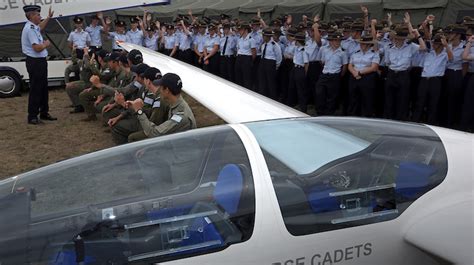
(185, 50)
(329, 74)
(227, 56)
(315, 62)
(397, 72)
(298, 66)
(431, 77)
(453, 70)
(35, 58)
(242, 55)
(96, 47)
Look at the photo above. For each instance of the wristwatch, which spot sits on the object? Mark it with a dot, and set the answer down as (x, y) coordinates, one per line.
(140, 112)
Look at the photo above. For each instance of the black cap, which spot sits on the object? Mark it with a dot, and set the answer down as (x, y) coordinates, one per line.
(255, 21)
(78, 20)
(336, 35)
(292, 31)
(133, 20)
(243, 25)
(225, 16)
(152, 74)
(102, 54)
(123, 59)
(268, 32)
(115, 56)
(139, 69)
(212, 27)
(119, 23)
(95, 17)
(170, 26)
(300, 36)
(31, 8)
(171, 81)
(226, 26)
(135, 56)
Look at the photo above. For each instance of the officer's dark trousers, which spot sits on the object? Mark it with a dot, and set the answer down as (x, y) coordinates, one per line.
(429, 93)
(243, 71)
(362, 95)
(186, 56)
(95, 49)
(38, 98)
(314, 71)
(80, 54)
(226, 67)
(255, 75)
(397, 95)
(298, 84)
(455, 93)
(467, 114)
(267, 74)
(213, 65)
(287, 97)
(327, 90)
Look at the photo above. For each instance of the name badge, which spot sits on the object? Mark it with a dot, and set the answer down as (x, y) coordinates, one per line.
(148, 101)
(177, 118)
(137, 84)
(157, 104)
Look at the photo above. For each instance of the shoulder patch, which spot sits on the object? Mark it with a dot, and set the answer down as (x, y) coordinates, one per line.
(32, 27)
(177, 118)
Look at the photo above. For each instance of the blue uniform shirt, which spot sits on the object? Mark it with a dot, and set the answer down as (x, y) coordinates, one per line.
(350, 46)
(170, 41)
(333, 60)
(210, 42)
(312, 49)
(245, 45)
(79, 38)
(257, 38)
(114, 36)
(185, 41)
(361, 60)
(290, 49)
(151, 43)
(30, 35)
(95, 33)
(456, 63)
(433, 64)
(135, 37)
(300, 57)
(400, 59)
(199, 42)
(230, 49)
(272, 52)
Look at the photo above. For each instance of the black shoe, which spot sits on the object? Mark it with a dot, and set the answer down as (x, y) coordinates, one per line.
(34, 121)
(77, 109)
(48, 117)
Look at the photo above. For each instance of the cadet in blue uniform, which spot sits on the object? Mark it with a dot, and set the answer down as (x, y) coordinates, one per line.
(135, 35)
(151, 38)
(467, 114)
(246, 53)
(95, 31)
(199, 44)
(227, 46)
(299, 71)
(363, 66)
(169, 41)
(288, 97)
(398, 58)
(35, 48)
(454, 76)
(270, 62)
(185, 40)
(211, 48)
(79, 38)
(118, 36)
(434, 65)
(257, 37)
(335, 60)
(313, 44)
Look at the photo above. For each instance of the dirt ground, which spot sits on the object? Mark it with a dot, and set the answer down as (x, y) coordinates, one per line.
(26, 147)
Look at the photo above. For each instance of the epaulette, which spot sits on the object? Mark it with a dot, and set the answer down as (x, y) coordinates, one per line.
(357, 51)
(273, 43)
(342, 49)
(32, 27)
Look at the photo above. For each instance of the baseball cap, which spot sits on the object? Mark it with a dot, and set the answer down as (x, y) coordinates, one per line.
(152, 74)
(171, 81)
(139, 69)
(115, 56)
(135, 56)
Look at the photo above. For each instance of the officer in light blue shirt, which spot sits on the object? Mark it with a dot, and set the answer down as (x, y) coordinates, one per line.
(227, 50)
(118, 35)
(246, 53)
(199, 43)
(151, 39)
(135, 35)
(455, 75)
(335, 62)
(170, 41)
(467, 112)
(211, 49)
(95, 31)
(429, 91)
(270, 61)
(35, 48)
(299, 71)
(185, 40)
(398, 58)
(79, 38)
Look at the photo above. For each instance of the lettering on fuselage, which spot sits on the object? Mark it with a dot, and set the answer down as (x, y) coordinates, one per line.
(332, 257)
(15, 4)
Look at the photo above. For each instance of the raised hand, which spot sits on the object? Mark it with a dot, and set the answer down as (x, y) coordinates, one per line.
(407, 18)
(50, 12)
(364, 9)
(316, 18)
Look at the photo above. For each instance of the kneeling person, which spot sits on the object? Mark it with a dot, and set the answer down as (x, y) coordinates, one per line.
(180, 115)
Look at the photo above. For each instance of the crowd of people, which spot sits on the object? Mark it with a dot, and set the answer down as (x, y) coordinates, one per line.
(358, 67)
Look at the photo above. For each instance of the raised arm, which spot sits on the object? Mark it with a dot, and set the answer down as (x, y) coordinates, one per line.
(365, 11)
(466, 55)
(44, 23)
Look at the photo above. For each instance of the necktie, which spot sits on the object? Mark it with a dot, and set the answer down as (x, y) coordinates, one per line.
(264, 51)
(225, 45)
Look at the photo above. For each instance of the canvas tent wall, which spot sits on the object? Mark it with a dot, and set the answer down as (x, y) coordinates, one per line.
(337, 9)
(418, 9)
(456, 10)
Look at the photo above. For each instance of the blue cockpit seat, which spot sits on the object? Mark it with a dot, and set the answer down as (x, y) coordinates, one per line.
(413, 180)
